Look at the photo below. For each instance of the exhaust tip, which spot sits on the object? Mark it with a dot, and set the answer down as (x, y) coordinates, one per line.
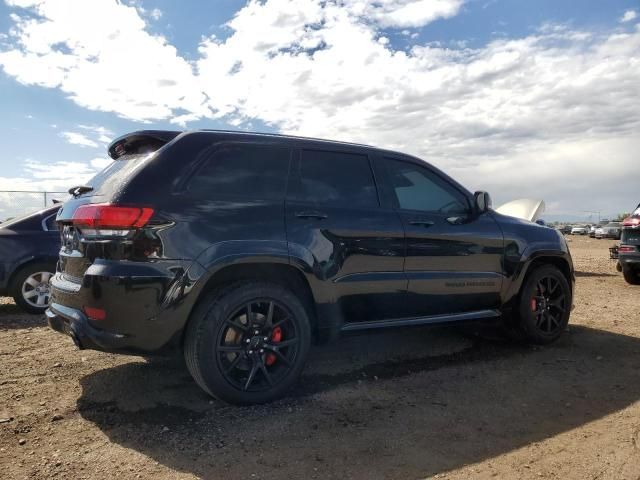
(76, 340)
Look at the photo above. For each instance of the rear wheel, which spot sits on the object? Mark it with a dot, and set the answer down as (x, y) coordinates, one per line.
(248, 343)
(30, 288)
(631, 276)
(544, 305)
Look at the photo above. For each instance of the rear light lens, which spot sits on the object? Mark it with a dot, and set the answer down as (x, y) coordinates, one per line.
(95, 313)
(105, 219)
(626, 249)
(631, 222)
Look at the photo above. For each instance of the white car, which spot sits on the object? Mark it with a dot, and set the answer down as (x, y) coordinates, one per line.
(580, 230)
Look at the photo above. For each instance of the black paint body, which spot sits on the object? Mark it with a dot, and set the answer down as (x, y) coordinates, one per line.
(360, 267)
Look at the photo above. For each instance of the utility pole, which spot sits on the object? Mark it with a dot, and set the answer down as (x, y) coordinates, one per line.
(591, 212)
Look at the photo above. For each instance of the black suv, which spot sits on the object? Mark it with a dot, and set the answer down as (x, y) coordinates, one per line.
(243, 248)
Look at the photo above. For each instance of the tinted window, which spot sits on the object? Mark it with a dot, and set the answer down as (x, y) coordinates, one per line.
(630, 237)
(253, 172)
(337, 179)
(417, 188)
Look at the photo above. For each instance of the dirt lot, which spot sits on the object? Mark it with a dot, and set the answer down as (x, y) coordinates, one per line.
(413, 403)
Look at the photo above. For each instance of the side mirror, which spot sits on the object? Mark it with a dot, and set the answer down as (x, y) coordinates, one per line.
(482, 201)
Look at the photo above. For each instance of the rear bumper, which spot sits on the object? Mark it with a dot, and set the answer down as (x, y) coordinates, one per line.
(74, 323)
(145, 306)
(629, 259)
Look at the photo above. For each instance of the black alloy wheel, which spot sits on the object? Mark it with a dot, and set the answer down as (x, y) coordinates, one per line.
(548, 304)
(631, 276)
(258, 345)
(248, 343)
(545, 305)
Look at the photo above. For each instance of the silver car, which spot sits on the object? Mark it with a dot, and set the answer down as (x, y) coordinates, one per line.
(610, 230)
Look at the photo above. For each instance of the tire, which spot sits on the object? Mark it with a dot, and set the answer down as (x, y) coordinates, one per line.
(255, 365)
(631, 276)
(543, 316)
(25, 293)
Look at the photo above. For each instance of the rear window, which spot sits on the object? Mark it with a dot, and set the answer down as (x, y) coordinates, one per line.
(115, 174)
(336, 179)
(249, 172)
(630, 237)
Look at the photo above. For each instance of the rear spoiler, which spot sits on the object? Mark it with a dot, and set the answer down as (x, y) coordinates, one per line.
(142, 141)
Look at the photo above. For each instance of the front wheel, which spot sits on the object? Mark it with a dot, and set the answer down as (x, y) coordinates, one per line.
(631, 276)
(248, 343)
(544, 305)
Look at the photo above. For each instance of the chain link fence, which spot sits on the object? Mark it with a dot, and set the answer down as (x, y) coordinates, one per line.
(14, 203)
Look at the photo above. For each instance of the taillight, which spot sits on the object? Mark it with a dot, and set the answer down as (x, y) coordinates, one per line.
(626, 249)
(95, 313)
(631, 222)
(105, 219)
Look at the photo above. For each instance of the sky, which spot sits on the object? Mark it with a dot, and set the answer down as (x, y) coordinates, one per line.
(535, 99)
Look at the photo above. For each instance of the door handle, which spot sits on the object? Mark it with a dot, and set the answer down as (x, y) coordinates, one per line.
(455, 220)
(424, 223)
(312, 214)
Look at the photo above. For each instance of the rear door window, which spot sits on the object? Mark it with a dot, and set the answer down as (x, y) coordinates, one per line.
(337, 179)
(250, 172)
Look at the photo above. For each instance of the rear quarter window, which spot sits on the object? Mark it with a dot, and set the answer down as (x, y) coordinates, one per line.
(248, 172)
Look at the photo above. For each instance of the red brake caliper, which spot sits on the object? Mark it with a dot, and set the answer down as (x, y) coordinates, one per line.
(534, 301)
(276, 337)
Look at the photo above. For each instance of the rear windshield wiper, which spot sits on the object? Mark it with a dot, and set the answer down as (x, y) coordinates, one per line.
(79, 190)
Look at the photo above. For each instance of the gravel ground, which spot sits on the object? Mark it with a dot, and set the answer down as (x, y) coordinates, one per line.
(411, 404)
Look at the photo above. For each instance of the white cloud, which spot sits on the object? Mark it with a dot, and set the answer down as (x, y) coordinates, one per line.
(75, 138)
(406, 13)
(101, 134)
(156, 14)
(628, 16)
(551, 113)
(100, 54)
(39, 177)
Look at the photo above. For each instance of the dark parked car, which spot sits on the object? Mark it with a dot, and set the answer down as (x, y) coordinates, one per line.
(629, 249)
(243, 248)
(29, 249)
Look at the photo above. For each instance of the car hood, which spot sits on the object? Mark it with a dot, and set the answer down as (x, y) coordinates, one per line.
(525, 208)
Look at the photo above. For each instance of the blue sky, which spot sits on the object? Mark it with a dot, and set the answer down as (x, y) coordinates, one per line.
(521, 98)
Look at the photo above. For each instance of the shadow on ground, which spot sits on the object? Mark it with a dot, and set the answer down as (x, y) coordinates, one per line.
(411, 404)
(13, 317)
(595, 274)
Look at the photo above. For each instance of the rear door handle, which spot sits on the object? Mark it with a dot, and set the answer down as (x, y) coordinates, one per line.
(312, 214)
(423, 223)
